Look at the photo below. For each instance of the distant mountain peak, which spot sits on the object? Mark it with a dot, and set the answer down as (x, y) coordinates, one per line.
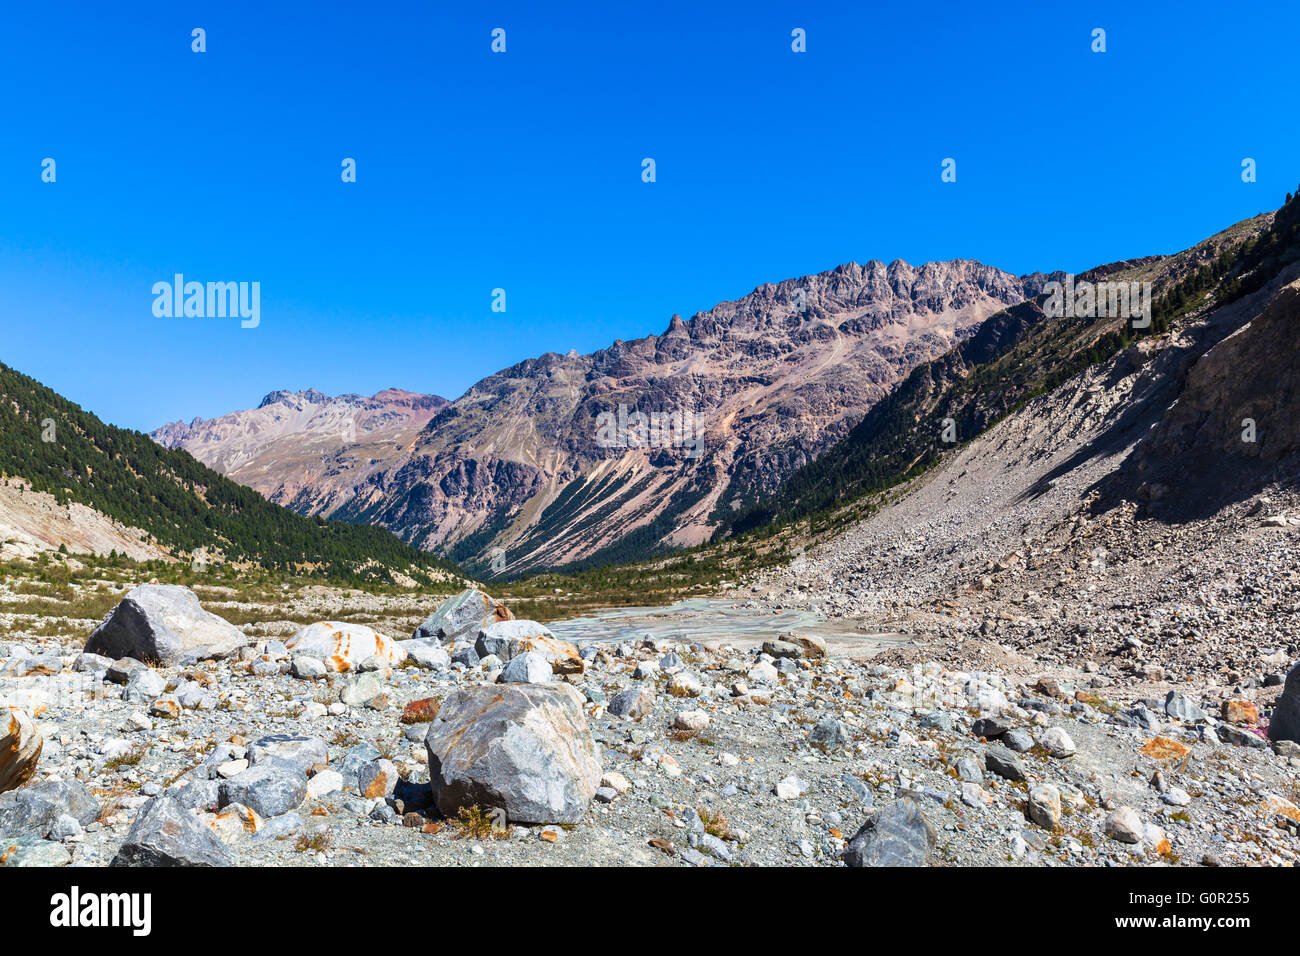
(285, 397)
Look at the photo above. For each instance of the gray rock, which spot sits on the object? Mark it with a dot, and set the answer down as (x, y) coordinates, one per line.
(164, 622)
(34, 809)
(462, 616)
(990, 728)
(308, 754)
(428, 653)
(144, 686)
(281, 826)
(782, 649)
(1004, 763)
(937, 720)
(32, 851)
(198, 795)
(120, 671)
(166, 834)
(523, 747)
(1057, 742)
(1045, 806)
(65, 828)
(361, 690)
(505, 639)
(91, 663)
(1124, 825)
(271, 788)
(632, 704)
(1286, 748)
(1182, 708)
(530, 668)
(1018, 740)
(829, 734)
(356, 758)
(1285, 722)
(466, 657)
(377, 779)
(898, 835)
(308, 668)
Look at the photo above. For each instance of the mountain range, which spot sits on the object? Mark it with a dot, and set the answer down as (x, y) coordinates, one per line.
(517, 468)
(790, 404)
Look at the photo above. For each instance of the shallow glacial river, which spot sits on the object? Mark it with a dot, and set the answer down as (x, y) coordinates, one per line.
(710, 619)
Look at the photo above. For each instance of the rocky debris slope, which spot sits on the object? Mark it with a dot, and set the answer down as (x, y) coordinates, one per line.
(655, 753)
(34, 522)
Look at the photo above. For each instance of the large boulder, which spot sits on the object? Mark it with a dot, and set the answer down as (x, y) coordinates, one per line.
(898, 835)
(525, 748)
(1285, 723)
(20, 746)
(33, 810)
(462, 616)
(164, 622)
(167, 834)
(343, 646)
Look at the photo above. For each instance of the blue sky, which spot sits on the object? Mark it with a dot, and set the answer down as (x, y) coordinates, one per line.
(522, 170)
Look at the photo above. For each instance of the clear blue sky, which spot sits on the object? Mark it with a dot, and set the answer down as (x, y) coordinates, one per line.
(523, 171)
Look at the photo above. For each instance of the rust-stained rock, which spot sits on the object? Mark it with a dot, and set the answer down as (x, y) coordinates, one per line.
(421, 711)
(1163, 749)
(234, 822)
(20, 747)
(463, 616)
(1242, 712)
(561, 655)
(810, 645)
(525, 748)
(343, 646)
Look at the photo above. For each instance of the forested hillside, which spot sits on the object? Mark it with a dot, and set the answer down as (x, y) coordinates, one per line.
(69, 453)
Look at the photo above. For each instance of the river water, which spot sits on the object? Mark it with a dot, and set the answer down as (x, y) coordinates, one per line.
(705, 619)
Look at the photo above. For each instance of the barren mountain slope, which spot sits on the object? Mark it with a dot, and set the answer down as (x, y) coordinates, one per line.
(305, 442)
(517, 467)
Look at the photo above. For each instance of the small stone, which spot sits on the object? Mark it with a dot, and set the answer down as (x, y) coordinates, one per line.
(632, 704)
(1123, 824)
(377, 779)
(361, 689)
(829, 734)
(615, 781)
(898, 835)
(169, 708)
(1045, 806)
(791, 788)
(1004, 763)
(308, 668)
(1057, 742)
(691, 720)
(1019, 740)
(324, 783)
